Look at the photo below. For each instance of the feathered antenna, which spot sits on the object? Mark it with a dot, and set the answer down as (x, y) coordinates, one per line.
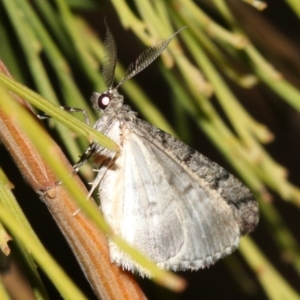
(147, 57)
(110, 58)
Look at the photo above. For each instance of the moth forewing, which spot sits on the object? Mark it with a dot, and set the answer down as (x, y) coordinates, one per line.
(164, 209)
(232, 190)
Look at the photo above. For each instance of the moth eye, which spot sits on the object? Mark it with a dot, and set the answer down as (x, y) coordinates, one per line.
(103, 101)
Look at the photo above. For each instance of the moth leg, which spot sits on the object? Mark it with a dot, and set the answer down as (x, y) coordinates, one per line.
(43, 117)
(88, 153)
(82, 160)
(107, 164)
(81, 110)
(69, 109)
(84, 157)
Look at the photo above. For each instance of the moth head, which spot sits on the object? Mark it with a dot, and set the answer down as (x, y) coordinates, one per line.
(103, 101)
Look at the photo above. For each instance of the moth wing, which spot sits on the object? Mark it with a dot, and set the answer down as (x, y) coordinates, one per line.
(233, 191)
(164, 209)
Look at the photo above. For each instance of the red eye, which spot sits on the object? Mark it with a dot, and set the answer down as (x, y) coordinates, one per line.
(103, 101)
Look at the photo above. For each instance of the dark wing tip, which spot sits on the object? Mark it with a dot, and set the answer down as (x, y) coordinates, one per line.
(247, 215)
(244, 206)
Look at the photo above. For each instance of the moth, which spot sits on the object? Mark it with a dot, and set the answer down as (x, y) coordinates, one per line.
(175, 205)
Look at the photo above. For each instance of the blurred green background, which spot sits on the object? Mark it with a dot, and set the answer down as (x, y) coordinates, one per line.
(228, 86)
